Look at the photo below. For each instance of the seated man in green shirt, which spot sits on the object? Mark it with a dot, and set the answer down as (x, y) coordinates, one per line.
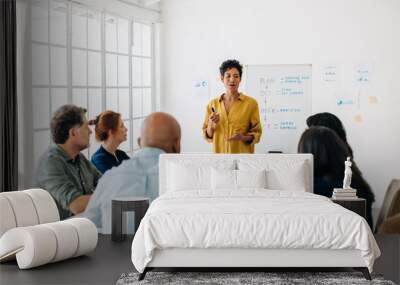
(63, 170)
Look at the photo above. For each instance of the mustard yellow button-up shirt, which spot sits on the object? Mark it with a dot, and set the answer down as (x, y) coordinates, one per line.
(243, 118)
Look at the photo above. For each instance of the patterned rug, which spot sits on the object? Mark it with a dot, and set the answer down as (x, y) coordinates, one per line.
(225, 278)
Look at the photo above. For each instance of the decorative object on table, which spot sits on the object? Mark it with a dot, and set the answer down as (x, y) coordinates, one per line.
(347, 174)
(139, 205)
(32, 234)
(346, 193)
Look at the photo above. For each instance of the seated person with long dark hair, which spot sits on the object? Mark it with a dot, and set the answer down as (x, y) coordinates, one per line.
(332, 122)
(330, 152)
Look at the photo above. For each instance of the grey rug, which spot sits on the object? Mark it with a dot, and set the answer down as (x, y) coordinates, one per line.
(226, 278)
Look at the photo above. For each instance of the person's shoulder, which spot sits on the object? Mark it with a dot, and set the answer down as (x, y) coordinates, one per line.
(98, 153)
(51, 162)
(214, 100)
(121, 153)
(52, 155)
(138, 164)
(249, 99)
(125, 171)
(126, 166)
(100, 157)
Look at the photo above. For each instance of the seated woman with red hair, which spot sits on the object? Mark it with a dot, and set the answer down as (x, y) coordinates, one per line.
(111, 132)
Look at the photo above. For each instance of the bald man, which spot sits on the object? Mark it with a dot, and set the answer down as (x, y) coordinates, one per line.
(137, 176)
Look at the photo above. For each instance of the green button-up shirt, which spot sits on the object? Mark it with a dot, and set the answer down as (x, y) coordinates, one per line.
(64, 178)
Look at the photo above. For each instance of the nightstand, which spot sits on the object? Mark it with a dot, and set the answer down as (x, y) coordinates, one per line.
(139, 205)
(356, 205)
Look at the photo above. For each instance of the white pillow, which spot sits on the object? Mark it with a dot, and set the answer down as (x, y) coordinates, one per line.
(189, 175)
(293, 178)
(251, 178)
(223, 179)
(282, 173)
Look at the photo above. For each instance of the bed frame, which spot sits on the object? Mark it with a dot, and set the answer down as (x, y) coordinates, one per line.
(249, 259)
(246, 259)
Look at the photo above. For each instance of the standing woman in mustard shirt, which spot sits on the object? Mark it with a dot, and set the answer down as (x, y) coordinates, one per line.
(232, 120)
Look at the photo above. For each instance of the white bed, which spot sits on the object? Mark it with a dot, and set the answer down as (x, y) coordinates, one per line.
(247, 211)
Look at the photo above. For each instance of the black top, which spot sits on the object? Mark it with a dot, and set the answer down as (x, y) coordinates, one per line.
(103, 160)
(324, 187)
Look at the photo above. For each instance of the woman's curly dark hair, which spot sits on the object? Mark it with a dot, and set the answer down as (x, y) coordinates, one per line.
(231, 63)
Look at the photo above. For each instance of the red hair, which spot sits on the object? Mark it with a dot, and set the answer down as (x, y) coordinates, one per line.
(106, 121)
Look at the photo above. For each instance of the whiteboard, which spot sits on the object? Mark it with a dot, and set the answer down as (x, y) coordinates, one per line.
(283, 93)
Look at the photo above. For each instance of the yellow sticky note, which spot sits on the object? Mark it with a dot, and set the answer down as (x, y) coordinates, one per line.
(372, 99)
(358, 118)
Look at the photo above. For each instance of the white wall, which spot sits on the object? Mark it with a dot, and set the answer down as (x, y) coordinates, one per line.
(197, 35)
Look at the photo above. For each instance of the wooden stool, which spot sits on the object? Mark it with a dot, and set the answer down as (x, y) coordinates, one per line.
(139, 205)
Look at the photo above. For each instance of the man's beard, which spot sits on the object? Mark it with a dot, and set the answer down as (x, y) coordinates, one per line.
(84, 146)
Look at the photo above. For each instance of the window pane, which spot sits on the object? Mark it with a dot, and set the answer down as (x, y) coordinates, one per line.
(40, 20)
(41, 108)
(79, 97)
(59, 97)
(112, 99)
(58, 66)
(136, 71)
(123, 35)
(58, 22)
(123, 71)
(146, 40)
(94, 69)
(94, 99)
(111, 33)
(41, 141)
(111, 70)
(94, 144)
(146, 62)
(123, 102)
(137, 124)
(79, 25)
(125, 146)
(137, 39)
(147, 102)
(40, 65)
(79, 67)
(136, 102)
(94, 30)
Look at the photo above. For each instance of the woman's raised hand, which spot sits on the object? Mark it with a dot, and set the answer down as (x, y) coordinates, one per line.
(213, 120)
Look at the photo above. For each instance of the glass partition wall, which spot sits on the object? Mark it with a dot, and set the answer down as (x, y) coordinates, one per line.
(93, 59)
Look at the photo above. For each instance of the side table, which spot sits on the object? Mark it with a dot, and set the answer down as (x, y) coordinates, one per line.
(357, 205)
(139, 205)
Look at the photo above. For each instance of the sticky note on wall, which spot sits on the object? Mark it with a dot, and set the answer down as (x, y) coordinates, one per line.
(373, 100)
(358, 118)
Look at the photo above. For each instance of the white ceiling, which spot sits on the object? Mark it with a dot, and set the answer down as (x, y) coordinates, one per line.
(145, 3)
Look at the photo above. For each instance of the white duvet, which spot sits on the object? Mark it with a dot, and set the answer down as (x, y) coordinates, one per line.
(252, 218)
